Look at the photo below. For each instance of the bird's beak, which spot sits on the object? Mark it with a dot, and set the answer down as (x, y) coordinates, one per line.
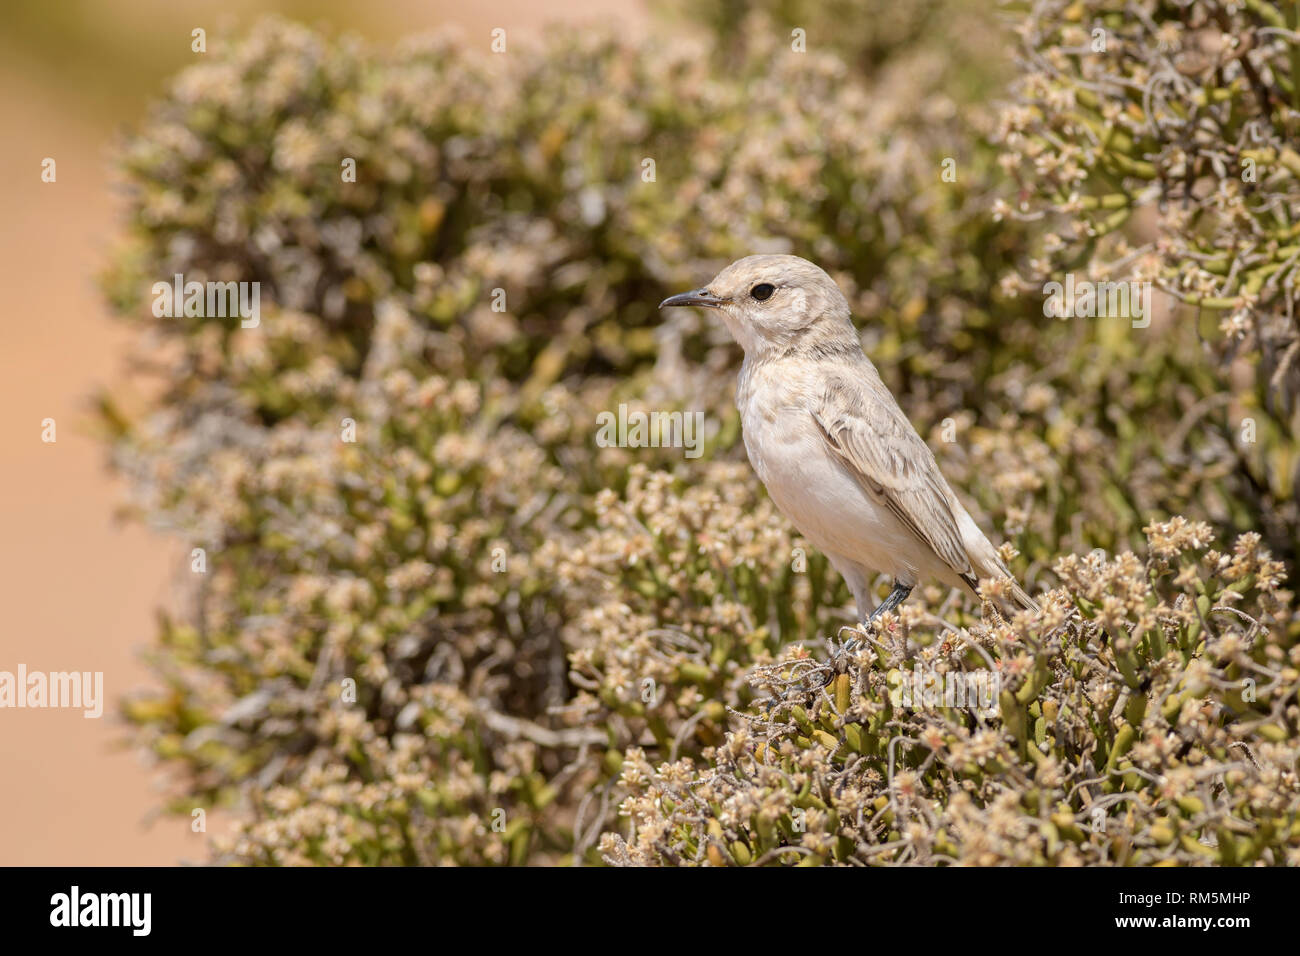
(695, 297)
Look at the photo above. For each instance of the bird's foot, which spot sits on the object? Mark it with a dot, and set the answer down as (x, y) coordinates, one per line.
(858, 636)
(842, 655)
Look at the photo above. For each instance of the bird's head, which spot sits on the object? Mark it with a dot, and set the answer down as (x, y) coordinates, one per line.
(775, 303)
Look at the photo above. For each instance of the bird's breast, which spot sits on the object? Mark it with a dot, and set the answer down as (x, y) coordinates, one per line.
(814, 490)
(790, 457)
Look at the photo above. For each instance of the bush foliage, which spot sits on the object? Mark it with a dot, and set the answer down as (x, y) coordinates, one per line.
(473, 635)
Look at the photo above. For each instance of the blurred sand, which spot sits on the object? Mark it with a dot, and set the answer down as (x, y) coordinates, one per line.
(78, 590)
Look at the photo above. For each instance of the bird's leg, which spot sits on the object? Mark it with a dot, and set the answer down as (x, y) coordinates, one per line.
(896, 597)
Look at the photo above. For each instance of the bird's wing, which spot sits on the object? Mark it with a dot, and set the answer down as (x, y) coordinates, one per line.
(868, 432)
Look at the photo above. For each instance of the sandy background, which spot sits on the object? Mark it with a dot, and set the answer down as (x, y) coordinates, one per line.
(79, 590)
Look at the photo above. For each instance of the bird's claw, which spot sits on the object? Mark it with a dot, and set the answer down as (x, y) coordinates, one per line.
(842, 656)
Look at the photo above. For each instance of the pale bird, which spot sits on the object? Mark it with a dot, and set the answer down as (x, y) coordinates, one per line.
(827, 439)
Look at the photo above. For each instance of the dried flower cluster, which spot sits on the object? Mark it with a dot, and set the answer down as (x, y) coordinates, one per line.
(440, 624)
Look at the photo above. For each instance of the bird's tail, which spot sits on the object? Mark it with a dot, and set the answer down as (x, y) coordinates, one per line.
(1018, 594)
(1021, 597)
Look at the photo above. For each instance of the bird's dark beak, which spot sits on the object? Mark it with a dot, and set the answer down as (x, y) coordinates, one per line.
(696, 297)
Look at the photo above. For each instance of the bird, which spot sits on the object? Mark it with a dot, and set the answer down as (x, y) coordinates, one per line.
(828, 440)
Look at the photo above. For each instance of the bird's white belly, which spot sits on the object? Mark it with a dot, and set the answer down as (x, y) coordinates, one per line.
(822, 498)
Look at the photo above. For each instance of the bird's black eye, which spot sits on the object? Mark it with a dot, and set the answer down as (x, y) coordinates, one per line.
(762, 291)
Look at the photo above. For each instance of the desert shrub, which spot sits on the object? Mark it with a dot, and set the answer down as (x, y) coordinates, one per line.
(948, 40)
(437, 616)
(373, 560)
(1119, 730)
(1179, 120)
